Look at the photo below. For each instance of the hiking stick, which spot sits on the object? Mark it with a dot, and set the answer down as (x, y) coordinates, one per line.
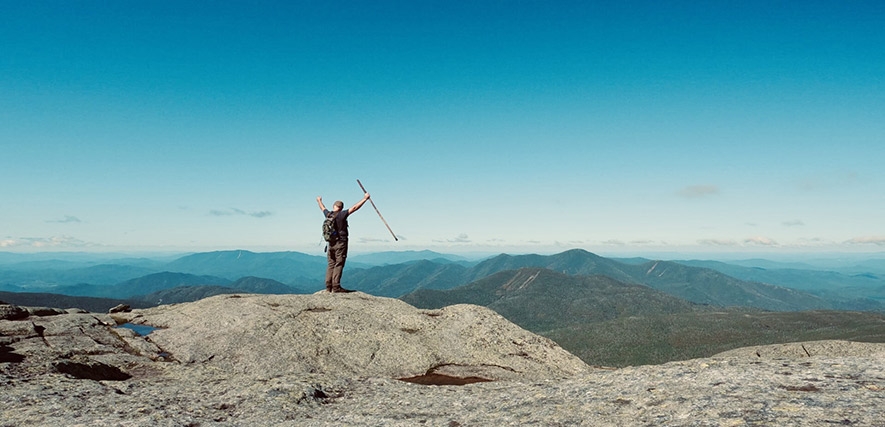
(376, 210)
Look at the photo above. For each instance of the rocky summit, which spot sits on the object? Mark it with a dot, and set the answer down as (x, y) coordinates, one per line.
(352, 335)
(354, 359)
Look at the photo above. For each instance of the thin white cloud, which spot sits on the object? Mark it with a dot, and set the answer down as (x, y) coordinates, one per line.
(699, 191)
(867, 240)
(614, 242)
(66, 220)
(761, 241)
(717, 242)
(756, 241)
(641, 242)
(372, 240)
(461, 238)
(45, 242)
(237, 212)
(814, 240)
(793, 223)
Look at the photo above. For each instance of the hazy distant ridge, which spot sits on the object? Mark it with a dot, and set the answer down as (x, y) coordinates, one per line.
(698, 285)
(304, 273)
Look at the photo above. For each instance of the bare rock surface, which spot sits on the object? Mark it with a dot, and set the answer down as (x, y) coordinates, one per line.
(308, 360)
(351, 335)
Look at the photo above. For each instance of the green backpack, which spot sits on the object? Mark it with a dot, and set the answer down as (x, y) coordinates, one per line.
(330, 230)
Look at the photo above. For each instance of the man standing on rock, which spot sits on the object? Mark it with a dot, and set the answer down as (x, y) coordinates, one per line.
(337, 251)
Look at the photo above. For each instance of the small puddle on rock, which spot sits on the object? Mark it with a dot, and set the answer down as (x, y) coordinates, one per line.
(141, 330)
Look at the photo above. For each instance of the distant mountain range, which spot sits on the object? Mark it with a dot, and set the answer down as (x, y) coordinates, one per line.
(708, 283)
(539, 299)
(286, 267)
(845, 265)
(148, 291)
(298, 270)
(143, 285)
(831, 285)
(400, 257)
(695, 284)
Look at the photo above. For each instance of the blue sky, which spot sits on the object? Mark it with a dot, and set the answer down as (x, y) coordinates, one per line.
(498, 126)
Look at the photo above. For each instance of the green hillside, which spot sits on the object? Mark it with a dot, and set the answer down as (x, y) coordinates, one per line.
(611, 323)
(630, 341)
(540, 299)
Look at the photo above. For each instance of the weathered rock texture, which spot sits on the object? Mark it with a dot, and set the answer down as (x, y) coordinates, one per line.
(348, 335)
(308, 360)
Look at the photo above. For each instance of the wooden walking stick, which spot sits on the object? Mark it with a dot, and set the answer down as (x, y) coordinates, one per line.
(376, 210)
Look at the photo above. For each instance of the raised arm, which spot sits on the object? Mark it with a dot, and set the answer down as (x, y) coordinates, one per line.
(320, 202)
(358, 204)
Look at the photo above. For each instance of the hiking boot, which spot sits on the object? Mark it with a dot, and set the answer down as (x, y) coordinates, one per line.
(340, 290)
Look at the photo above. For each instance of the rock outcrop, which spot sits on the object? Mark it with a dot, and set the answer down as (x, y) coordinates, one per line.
(337, 359)
(351, 335)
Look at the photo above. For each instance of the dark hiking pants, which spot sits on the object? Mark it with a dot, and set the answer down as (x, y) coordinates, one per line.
(337, 256)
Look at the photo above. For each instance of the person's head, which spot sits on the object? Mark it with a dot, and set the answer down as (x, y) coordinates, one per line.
(337, 206)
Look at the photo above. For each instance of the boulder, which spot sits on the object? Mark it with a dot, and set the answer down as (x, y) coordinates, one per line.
(120, 308)
(352, 335)
(12, 312)
(44, 311)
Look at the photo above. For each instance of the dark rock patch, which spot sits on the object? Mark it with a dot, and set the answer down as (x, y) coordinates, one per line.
(7, 356)
(440, 379)
(91, 371)
(807, 387)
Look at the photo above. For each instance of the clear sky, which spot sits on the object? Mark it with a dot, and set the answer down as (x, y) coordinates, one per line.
(487, 126)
